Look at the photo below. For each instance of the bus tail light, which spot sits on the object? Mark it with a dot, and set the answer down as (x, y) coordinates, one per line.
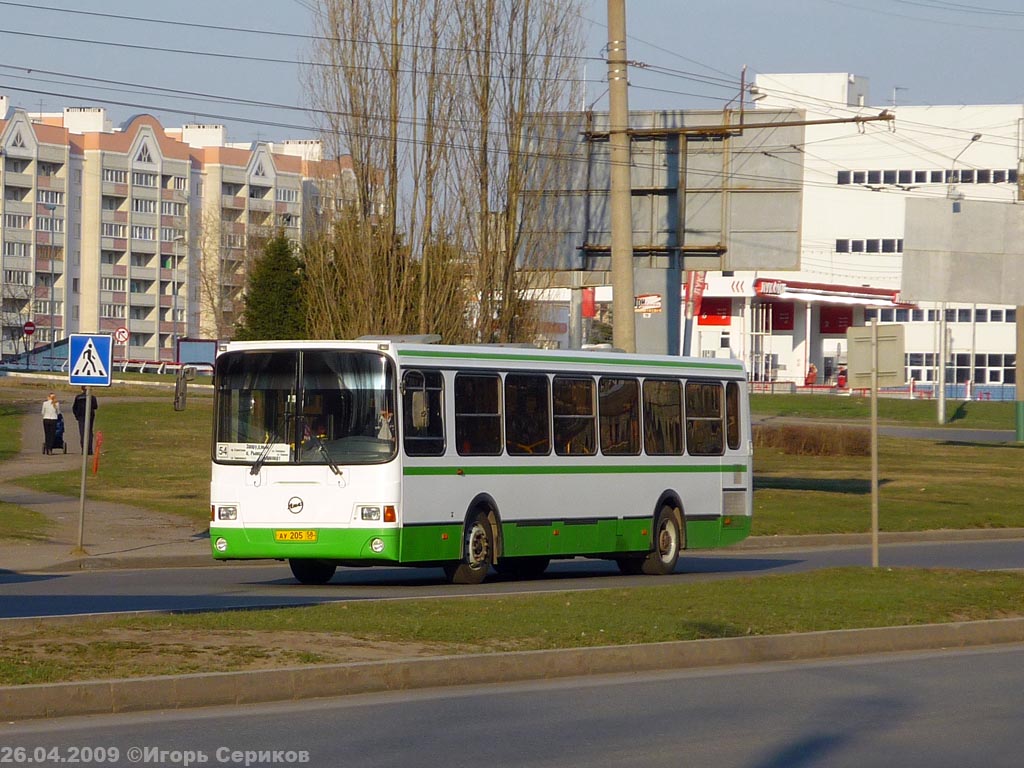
(390, 516)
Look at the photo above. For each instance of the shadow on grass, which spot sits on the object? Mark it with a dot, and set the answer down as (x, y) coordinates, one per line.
(959, 414)
(975, 444)
(823, 484)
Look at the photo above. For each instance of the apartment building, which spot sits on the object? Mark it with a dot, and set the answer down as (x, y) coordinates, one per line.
(139, 231)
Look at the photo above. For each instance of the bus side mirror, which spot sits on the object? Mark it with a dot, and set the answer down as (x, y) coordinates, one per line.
(420, 414)
(185, 374)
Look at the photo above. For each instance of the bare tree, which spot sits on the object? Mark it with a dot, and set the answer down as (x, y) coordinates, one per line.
(433, 100)
(225, 251)
(15, 307)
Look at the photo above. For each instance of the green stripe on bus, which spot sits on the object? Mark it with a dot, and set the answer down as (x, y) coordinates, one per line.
(437, 542)
(573, 469)
(623, 361)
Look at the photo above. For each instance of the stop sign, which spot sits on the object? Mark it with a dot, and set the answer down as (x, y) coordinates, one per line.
(29, 328)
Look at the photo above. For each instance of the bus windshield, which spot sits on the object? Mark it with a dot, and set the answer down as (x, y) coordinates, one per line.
(329, 407)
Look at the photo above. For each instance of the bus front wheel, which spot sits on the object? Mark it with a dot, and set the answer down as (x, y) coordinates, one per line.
(312, 571)
(477, 546)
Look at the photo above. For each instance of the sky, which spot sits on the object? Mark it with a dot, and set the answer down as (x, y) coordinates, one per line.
(242, 68)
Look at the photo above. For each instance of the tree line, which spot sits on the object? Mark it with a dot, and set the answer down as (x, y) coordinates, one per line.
(442, 123)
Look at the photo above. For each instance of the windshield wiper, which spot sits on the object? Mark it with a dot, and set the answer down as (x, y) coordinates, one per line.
(264, 454)
(267, 447)
(321, 447)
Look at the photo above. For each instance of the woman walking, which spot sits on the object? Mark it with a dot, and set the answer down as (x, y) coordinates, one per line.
(51, 410)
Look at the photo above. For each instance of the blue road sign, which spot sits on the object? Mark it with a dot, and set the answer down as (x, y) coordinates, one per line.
(90, 359)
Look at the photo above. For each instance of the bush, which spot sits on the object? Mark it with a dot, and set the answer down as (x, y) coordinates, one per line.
(816, 440)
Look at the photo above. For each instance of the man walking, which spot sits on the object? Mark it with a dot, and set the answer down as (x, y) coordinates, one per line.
(79, 410)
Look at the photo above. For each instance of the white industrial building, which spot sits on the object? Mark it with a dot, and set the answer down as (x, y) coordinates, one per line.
(857, 178)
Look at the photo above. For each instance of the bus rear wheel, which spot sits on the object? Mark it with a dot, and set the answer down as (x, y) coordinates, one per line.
(312, 571)
(668, 539)
(477, 546)
(666, 545)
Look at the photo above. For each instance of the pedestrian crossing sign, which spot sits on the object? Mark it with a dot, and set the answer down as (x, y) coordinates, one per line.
(90, 359)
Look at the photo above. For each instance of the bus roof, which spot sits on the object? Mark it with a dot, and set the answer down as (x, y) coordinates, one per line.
(412, 354)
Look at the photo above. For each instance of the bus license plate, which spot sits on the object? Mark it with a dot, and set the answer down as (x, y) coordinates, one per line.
(304, 535)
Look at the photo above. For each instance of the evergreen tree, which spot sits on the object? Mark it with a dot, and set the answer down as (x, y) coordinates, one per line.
(274, 306)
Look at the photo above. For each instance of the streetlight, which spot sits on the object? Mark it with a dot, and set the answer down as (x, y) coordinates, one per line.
(51, 207)
(174, 300)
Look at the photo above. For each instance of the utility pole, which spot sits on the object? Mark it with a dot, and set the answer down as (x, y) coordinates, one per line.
(1019, 379)
(624, 328)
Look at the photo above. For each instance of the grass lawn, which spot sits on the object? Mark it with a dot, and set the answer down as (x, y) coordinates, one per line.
(152, 457)
(824, 600)
(923, 485)
(157, 458)
(10, 431)
(21, 524)
(920, 413)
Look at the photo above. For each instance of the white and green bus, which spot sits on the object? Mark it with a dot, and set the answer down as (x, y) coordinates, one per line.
(388, 452)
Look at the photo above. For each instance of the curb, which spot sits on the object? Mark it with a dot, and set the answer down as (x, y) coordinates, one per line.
(112, 562)
(892, 537)
(296, 683)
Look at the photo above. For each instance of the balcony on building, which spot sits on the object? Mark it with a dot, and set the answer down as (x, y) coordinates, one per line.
(114, 189)
(143, 300)
(24, 180)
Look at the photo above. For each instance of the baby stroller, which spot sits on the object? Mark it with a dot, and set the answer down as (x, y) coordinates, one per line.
(58, 436)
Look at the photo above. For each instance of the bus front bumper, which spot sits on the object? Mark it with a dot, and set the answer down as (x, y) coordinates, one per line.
(369, 544)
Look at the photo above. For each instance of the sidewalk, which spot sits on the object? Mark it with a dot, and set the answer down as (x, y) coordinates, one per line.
(115, 535)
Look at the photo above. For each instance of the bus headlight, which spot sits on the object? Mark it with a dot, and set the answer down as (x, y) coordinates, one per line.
(227, 512)
(377, 545)
(369, 513)
(222, 545)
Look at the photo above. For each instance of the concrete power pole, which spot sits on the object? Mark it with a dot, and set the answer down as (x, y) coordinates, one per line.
(1019, 379)
(624, 328)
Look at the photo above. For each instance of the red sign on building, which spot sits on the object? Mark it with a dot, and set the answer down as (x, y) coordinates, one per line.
(783, 315)
(835, 319)
(715, 310)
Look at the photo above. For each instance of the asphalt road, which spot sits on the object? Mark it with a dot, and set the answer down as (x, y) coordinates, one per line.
(925, 709)
(245, 585)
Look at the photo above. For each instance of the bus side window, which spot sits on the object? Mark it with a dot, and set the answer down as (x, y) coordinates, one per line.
(527, 426)
(423, 413)
(732, 415)
(619, 406)
(663, 417)
(704, 435)
(573, 411)
(478, 414)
